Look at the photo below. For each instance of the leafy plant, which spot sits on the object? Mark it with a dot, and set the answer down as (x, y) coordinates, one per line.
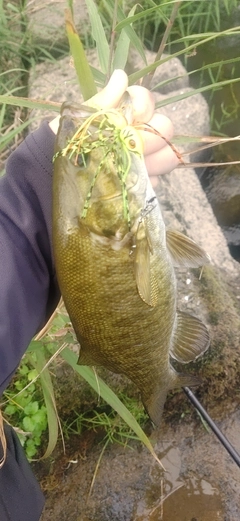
(25, 408)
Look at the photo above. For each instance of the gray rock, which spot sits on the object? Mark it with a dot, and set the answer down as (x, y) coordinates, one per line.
(223, 193)
(47, 24)
(56, 82)
(185, 207)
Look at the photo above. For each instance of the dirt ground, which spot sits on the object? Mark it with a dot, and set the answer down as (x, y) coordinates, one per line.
(201, 481)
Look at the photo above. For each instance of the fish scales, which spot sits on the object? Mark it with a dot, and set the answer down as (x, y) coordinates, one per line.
(117, 277)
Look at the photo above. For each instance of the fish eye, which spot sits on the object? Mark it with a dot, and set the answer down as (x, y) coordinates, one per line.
(82, 160)
(132, 144)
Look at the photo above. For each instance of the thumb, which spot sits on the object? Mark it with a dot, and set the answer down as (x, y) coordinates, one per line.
(110, 95)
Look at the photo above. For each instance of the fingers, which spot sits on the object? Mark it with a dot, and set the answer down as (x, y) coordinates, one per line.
(110, 95)
(159, 156)
(143, 103)
(161, 162)
(158, 131)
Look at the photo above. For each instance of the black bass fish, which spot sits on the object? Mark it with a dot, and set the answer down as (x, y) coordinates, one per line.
(115, 260)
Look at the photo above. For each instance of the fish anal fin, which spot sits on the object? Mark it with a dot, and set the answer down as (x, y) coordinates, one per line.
(191, 338)
(184, 251)
(154, 405)
(87, 355)
(154, 401)
(85, 359)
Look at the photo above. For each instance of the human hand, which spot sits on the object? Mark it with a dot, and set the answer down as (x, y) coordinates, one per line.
(159, 156)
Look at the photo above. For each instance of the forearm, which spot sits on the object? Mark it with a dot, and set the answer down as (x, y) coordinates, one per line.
(29, 290)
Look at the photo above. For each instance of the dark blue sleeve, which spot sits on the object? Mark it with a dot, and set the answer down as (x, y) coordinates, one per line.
(28, 286)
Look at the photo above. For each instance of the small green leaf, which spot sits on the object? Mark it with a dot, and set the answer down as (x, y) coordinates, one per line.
(23, 369)
(32, 375)
(28, 424)
(30, 448)
(40, 418)
(19, 385)
(10, 409)
(31, 408)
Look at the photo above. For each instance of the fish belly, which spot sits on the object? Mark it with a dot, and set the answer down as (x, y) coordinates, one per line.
(115, 327)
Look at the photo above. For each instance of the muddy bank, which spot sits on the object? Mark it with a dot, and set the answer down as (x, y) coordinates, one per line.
(201, 482)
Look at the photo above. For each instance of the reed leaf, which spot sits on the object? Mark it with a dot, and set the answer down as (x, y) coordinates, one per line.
(98, 35)
(184, 95)
(122, 47)
(109, 396)
(143, 14)
(48, 393)
(133, 78)
(134, 39)
(30, 103)
(82, 67)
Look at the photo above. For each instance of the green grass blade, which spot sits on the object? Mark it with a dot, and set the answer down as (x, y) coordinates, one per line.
(82, 67)
(122, 48)
(98, 35)
(184, 95)
(30, 103)
(2, 114)
(133, 18)
(134, 39)
(48, 394)
(6, 138)
(133, 78)
(109, 396)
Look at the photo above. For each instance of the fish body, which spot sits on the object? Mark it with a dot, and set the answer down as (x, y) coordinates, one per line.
(115, 261)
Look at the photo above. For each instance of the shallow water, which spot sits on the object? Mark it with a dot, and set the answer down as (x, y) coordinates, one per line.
(180, 499)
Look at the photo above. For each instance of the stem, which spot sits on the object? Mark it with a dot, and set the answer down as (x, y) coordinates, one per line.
(147, 80)
(113, 35)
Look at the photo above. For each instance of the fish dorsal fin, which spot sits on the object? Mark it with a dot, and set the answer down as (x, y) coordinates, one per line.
(191, 338)
(145, 280)
(184, 251)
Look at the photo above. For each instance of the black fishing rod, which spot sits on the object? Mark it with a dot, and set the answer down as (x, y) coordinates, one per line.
(233, 453)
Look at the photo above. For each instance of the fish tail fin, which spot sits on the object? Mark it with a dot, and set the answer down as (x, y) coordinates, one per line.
(154, 403)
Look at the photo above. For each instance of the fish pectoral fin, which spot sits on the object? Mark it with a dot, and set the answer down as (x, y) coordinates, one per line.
(145, 280)
(191, 338)
(184, 251)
